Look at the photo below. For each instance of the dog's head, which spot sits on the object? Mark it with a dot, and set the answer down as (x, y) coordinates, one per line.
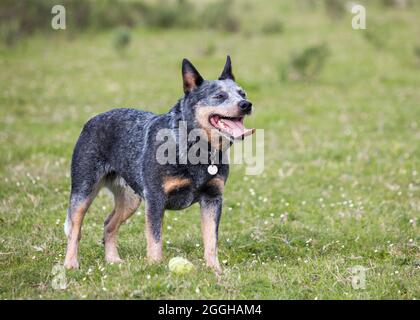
(216, 106)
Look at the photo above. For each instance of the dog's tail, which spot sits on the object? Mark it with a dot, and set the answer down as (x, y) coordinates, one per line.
(67, 224)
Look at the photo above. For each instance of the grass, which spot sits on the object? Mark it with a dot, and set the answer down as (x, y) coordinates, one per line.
(341, 185)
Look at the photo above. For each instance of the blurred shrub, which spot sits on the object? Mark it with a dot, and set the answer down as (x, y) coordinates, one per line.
(379, 33)
(308, 5)
(218, 15)
(19, 18)
(106, 14)
(183, 14)
(163, 14)
(306, 65)
(272, 27)
(375, 38)
(208, 49)
(416, 52)
(335, 8)
(35, 15)
(397, 3)
(9, 34)
(122, 38)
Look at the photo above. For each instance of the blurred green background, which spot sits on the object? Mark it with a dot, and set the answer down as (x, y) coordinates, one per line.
(340, 110)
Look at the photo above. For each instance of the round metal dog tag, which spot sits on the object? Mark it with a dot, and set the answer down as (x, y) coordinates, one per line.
(212, 169)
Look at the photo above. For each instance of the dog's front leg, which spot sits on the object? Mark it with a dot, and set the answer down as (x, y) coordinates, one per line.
(211, 210)
(154, 219)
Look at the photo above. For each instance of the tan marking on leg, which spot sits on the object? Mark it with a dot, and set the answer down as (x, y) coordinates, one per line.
(126, 203)
(154, 248)
(208, 232)
(76, 220)
(110, 236)
(173, 183)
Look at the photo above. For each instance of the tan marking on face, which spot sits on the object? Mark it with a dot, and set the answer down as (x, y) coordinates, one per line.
(213, 135)
(202, 115)
(154, 248)
(173, 183)
(208, 232)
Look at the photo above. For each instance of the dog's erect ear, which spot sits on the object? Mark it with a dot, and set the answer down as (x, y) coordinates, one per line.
(190, 76)
(227, 71)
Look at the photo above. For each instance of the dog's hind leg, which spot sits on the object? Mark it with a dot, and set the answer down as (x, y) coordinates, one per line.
(86, 183)
(78, 207)
(126, 203)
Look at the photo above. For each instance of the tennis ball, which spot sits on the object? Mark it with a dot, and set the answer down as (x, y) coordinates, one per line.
(180, 265)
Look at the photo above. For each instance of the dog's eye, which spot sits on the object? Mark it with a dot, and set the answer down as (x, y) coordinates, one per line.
(220, 96)
(242, 93)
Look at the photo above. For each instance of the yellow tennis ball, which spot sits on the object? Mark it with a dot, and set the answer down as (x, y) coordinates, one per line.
(180, 265)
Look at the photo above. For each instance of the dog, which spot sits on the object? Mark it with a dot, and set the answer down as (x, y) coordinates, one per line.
(117, 149)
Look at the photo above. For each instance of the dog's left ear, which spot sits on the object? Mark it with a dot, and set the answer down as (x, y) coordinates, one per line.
(227, 71)
(190, 76)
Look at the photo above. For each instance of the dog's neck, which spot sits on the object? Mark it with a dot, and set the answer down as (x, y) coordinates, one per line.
(177, 118)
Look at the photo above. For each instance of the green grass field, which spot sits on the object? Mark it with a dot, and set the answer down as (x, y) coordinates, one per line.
(340, 188)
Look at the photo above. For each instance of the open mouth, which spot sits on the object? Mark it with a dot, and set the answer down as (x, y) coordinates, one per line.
(233, 127)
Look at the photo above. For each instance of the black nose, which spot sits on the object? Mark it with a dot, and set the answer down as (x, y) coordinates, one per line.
(245, 106)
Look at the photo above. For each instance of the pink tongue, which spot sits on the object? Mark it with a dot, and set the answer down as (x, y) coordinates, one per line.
(236, 128)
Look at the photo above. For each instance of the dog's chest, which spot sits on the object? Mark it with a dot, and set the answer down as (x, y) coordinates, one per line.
(183, 191)
(181, 198)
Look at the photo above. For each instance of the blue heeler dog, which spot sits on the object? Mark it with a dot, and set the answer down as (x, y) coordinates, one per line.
(117, 149)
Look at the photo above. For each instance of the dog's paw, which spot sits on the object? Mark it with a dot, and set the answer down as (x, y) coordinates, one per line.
(113, 259)
(154, 260)
(217, 269)
(215, 266)
(72, 264)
